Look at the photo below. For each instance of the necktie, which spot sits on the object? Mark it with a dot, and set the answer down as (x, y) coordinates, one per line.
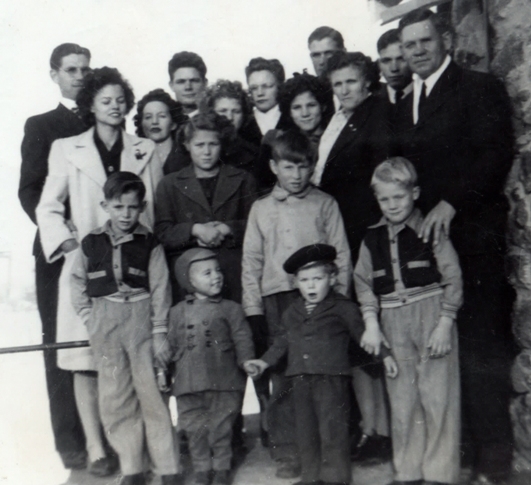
(422, 99)
(399, 94)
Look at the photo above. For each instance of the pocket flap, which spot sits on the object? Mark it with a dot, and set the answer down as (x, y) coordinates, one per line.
(379, 273)
(137, 272)
(418, 264)
(96, 274)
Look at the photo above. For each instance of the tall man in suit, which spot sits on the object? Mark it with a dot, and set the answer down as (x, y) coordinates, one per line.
(69, 65)
(456, 128)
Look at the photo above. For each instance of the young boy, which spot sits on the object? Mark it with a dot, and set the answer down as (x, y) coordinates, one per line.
(292, 216)
(210, 340)
(414, 289)
(120, 286)
(318, 327)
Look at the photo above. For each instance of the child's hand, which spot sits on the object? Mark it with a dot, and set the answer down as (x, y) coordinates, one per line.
(207, 235)
(255, 367)
(440, 342)
(372, 338)
(391, 368)
(161, 350)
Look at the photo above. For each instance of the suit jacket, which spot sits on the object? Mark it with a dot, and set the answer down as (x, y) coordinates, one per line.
(462, 147)
(251, 131)
(365, 141)
(39, 133)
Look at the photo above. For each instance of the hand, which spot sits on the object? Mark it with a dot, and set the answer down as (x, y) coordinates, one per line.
(161, 350)
(440, 342)
(438, 220)
(391, 368)
(223, 228)
(372, 338)
(255, 367)
(69, 245)
(207, 235)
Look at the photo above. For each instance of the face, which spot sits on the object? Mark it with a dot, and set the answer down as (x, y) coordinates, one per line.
(314, 283)
(424, 48)
(109, 105)
(188, 86)
(396, 202)
(206, 278)
(156, 121)
(306, 112)
(394, 67)
(350, 87)
(263, 87)
(124, 212)
(231, 109)
(204, 148)
(71, 74)
(320, 52)
(292, 177)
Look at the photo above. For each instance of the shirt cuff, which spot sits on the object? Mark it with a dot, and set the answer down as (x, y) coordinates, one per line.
(369, 312)
(448, 310)
(160, 327)
(251, 311)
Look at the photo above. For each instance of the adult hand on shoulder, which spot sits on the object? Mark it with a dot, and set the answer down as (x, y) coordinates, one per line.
(161, 350)
(438, 220)
(69, 245)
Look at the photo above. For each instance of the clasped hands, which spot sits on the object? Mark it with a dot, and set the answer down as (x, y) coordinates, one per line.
(255, 367)
(211, 234)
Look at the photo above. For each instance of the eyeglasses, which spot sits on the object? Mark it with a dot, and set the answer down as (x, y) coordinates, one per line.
(73, 71)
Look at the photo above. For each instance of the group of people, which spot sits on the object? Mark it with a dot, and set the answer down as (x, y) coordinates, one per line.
(325, 235)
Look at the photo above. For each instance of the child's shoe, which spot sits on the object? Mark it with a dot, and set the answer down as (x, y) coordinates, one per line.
(136, 479)
(201, 478)
(221, 477)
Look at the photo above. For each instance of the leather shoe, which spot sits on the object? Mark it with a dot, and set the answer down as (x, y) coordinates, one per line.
(103, 467)
(74, 460)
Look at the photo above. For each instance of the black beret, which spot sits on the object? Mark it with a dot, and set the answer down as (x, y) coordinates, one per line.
(309, 254)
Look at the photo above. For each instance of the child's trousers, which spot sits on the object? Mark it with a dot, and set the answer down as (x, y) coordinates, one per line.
(131, 405)
(425, 396)
(207, 418)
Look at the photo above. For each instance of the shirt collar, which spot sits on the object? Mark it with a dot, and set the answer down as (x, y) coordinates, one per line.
(432, 78)
(281, 194)
(190, 298)
(272, 113)
(107, 229)
(391, 92)
(68, 103)
(414, 221)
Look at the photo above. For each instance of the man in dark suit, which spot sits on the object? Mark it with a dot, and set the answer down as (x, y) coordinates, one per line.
(69, 64)
(456, 128)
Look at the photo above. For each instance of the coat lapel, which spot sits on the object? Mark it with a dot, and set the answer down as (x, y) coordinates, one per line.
(87, 158)
(228, 183)
(187, 184)
(136, 154)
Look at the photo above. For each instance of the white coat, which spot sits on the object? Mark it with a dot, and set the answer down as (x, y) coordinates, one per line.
(76, 174)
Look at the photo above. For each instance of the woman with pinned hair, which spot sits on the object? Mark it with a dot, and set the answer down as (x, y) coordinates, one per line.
(70, 208)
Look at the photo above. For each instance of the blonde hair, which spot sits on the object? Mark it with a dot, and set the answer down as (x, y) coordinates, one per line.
(396, 170)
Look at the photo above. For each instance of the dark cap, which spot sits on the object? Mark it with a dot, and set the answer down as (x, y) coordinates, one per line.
(309, 254)
(183, 263)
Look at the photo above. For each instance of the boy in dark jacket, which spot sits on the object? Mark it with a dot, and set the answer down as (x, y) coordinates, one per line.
(210, 340)
(319, 326)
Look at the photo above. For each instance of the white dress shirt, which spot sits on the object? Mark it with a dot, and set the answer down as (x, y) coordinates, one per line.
(68, 103)
(268, 120)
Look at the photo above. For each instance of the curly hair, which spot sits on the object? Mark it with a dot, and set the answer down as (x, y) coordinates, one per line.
(208, 120)
(94, 83)
(368, 68)
(304, 83)
(175, 109)
(272, 65)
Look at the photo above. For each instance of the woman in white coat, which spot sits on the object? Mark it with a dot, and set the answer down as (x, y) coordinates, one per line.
(70, 208)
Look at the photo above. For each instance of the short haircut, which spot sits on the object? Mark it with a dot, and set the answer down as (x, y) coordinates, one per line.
(439, 22)
(304, 83)
(329, 266)
(222, 89)
(64, 50)
(368, 69)
(120, 183)
(324, 32)
(294, 146)
(95, 81)
(387, 38)
(272, 65)
(396, 170)
(209, 121)
(175, 109)
(187, 59)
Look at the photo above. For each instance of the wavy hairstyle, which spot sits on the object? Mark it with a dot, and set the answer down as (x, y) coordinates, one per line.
(208, 120)
(228, 89)
(175, 109)
(272, 65)
(369, 69)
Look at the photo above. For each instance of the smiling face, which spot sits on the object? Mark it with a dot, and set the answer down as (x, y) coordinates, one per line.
(396, 201)
(109, 105)
(124, 212)
(292, 177)
(231, 109)
(424, 48)
(314, 283)
(263, 86)
(188, 86)
(71, 74)
(206, 278)
(205, 148)
(320, 52)
(306, 112)
(394, 67)
(350, 87)
(157, 123)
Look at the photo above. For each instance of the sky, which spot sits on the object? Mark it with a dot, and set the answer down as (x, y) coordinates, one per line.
(139, 37)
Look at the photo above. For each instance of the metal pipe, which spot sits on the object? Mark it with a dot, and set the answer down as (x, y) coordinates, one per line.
(52, 346)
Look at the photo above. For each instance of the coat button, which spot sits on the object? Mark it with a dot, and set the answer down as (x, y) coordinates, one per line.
(397, 280)
(208, 343)
(305, 356)
(205, 322)
(189, 326)
(208, 333)
(393, 260)
(115, 266)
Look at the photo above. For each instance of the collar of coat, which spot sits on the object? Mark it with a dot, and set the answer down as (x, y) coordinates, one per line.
(191, 299)
(107, 229)
(323, 306)
(414, 221)
(281, 194)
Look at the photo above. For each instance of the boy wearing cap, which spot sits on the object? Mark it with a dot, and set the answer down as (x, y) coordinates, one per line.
(210, 340)
(318, 327)
(120, 287)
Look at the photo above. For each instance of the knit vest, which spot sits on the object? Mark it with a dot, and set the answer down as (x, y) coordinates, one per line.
(418, 266)
(135, 262)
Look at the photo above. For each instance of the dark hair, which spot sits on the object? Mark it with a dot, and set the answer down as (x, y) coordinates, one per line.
(187, 59)
(329, 266)
(209, 121)
(294, 146)
(175, 109)
(304, 83)
(95, 81)
(64, 50)
(324, 32)
(228, 89)
(369, 69)
(387, 38)
(439, 22)
(272, 65)
(120, 183)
